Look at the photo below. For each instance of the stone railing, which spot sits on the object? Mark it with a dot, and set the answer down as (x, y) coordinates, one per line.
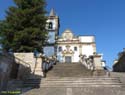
(15, 59)
(20, 61)
(94, 63)
(24, 68)
(87, 62)
(47, 63)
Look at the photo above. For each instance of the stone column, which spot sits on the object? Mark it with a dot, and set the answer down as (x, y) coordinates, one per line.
(97, 62)
(80, 49)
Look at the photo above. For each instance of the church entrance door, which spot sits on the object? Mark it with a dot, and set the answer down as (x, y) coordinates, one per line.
(68, 59)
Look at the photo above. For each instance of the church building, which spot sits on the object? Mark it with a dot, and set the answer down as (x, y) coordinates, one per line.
(68, 47)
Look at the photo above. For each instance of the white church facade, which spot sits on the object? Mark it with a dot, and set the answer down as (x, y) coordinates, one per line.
(70, 47)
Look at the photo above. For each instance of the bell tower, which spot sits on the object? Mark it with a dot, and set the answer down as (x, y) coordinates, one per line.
(52, 27)
(53, 22)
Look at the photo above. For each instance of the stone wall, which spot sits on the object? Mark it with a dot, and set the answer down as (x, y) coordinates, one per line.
(28, 60)
(98, 62)
(6, 64)
(18, 66)
(119, 66)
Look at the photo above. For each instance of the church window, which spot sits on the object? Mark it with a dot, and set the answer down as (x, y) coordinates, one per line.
(60, 49)
(50, 25)
(75, 48)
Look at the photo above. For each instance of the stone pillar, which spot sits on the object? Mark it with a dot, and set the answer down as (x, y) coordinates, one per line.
(97, 62)
(94, 47)
(80, 49)
(38, 67)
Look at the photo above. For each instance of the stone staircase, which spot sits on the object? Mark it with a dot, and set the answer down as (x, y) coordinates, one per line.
(74, 82)
(79, 86)
(69, 70)
(32, 83)
(81, 82)
(75, 79)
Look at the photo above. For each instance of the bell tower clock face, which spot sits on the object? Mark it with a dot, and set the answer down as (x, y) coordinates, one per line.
(51, 24)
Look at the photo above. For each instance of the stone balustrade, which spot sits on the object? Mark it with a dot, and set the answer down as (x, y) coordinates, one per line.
(48, 63)
(87, 62)
(93, 62)
(39, 64)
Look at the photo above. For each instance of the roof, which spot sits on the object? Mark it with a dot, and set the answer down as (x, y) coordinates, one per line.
(52, 12)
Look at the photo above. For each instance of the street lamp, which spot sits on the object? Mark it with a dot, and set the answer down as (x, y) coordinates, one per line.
(36, 54)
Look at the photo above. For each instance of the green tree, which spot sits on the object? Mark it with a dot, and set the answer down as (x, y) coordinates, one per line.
(24, 26)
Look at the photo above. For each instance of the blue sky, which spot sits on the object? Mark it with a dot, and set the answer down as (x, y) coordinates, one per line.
(103, 18)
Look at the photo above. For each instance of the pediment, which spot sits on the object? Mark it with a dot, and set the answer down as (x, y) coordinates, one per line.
(67, 35)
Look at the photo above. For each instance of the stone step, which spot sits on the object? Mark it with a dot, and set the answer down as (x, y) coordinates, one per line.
(99, 72)
(74, 78)
(30, 82)
(69, 74)
(81, 68)
(76, 91)
(62, 69)
(90, 80)
(82, 85)
(54, 82)
(68, 65)
(75, 84)
(83, 80)
(69, 70)
(68, 81)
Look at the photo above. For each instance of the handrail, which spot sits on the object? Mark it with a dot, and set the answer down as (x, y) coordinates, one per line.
(23, 61)
(13, 57)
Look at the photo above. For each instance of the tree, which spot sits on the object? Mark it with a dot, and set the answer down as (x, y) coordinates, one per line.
(24, 26)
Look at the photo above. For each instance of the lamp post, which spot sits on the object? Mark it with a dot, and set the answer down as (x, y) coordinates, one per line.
(36, 53)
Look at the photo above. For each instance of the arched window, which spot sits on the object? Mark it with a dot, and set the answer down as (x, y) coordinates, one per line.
(75, 48)
(50, 25)
(60, 49)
